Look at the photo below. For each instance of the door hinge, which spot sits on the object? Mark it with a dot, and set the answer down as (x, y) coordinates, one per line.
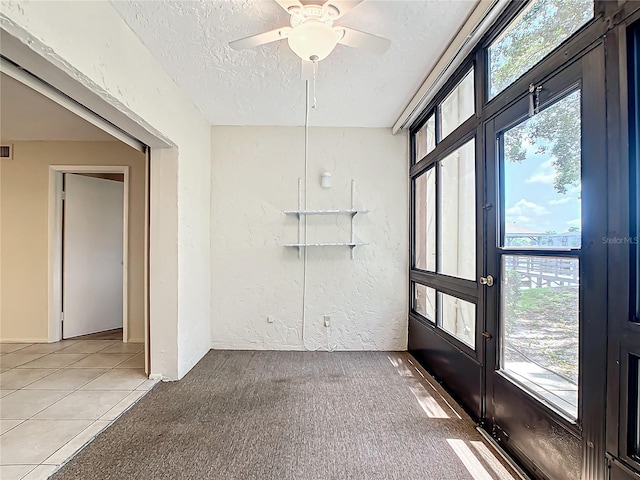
(64, 195)
(499, 434)
(62, 316)
(487, 335)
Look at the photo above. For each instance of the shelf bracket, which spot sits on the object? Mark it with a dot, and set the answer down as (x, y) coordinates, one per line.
(353, 215)
(300, 217)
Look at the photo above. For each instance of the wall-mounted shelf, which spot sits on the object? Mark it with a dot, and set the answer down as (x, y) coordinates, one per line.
(345, 244)
(302, 213)
(324, 212)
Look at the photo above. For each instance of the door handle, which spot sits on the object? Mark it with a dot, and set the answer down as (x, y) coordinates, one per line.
(488, 281)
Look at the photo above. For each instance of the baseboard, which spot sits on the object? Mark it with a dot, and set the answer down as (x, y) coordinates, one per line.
(299, 348)
(25, 340)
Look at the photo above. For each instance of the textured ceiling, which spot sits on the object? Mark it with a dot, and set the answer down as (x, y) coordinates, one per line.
(262, 86)
(29, 116)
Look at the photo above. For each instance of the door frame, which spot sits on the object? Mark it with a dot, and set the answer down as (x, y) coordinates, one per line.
(590, 425)
(56, 173)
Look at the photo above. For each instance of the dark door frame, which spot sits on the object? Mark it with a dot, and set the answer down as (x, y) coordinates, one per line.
(555, 431)
(624, 185)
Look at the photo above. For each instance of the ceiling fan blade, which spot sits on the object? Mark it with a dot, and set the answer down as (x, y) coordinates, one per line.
(260, 39)
(290, 6)
(341, 6)
(307, 70)
(365, 41)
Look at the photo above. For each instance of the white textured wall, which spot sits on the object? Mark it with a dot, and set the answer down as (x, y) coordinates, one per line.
(254, 178)
(90, 41)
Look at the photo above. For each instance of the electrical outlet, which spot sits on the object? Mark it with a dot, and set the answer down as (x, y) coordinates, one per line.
(269, 318)
(327, 320)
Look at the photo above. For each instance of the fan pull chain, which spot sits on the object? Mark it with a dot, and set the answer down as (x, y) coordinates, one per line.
(315, 71)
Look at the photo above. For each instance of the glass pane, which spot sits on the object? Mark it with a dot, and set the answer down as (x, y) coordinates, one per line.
(540, 326)
(634, 114)
(458, 213)
(459, 319)
(633, 421)
(425, 212)
(426, 138)
(542, 26)
(541, 169)
(458, 106)
(424, 301)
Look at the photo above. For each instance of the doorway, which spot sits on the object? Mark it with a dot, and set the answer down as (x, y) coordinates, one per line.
(89, 259)
(92, 258)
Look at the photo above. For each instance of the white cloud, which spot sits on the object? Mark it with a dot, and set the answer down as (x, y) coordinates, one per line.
(524, 208)
(521, 220)
(575, 190)
(560, 201)
(545, 173)
(576, 222)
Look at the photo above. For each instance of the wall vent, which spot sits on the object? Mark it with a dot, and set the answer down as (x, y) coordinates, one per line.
(6, 151)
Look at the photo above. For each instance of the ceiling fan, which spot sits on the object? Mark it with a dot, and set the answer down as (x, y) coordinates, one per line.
(312, 34)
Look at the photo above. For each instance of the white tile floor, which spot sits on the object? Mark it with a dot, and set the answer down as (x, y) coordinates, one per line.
(56, 397)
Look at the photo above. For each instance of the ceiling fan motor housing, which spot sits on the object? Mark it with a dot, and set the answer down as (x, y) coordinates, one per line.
(313, 40)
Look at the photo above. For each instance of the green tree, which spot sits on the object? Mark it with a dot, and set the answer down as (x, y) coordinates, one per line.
(556, 130)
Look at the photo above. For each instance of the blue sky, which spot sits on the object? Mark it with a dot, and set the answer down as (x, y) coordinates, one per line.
(530, 199)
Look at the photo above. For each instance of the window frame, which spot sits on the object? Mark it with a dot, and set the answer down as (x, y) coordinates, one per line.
(464, 289)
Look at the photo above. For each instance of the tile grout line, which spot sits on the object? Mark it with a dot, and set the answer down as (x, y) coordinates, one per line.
(70, 391)
(17, 350)
(104, 423)
(18, 424)
(55, 370)
(72, 439)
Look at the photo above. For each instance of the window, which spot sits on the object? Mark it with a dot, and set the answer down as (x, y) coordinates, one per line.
(453, 111)
(425, 214)
(457, 219)
(634, 158)
(424, 301)
(542, 179)
(426, 138)
(633, 428)
(540, 321)
(539, 295)
(541, 27)
(459, 319)
(458, 106)
(444, 215)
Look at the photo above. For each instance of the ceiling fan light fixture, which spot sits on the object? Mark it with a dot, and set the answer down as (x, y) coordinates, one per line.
(312, 41)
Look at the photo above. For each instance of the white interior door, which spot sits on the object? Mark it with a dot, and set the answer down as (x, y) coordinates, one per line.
(92, 256)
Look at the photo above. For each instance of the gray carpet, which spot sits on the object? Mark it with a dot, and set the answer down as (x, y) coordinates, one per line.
(290, 415)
